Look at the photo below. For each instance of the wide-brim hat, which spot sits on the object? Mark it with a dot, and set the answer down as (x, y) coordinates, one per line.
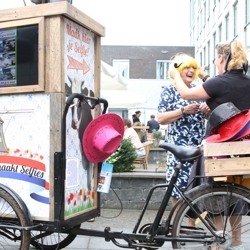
(232, 129)
(102, 137)
(219, 115)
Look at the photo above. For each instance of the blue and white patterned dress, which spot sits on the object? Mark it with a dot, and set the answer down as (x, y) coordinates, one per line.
(188, 130)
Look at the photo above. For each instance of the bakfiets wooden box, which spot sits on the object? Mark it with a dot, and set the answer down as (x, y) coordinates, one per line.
(47, 50)
(227, 158)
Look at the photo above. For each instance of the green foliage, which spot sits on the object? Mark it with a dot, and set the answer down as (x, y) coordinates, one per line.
(123, 157)
(157, 134)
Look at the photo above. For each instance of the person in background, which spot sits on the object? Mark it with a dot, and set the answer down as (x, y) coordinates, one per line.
(153, 124)
(136, 120)
(130, 133)
(185, 119)
(231, 85)
(133, 117)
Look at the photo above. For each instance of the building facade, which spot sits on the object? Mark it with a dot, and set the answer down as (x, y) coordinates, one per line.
(214, 21)
(146, 68)
(142, 62)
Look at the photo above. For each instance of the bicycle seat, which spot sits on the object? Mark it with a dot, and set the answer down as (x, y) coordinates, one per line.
(183, 153)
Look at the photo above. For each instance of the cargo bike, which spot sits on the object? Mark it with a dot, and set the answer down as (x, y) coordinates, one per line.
(200, 205)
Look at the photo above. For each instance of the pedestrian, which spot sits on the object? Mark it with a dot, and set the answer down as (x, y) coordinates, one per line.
(133, 117)
(231, 85)
(185, 119)
(153, 124)
(136, 119)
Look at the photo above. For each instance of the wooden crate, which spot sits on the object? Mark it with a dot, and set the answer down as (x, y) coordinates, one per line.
(233, 158)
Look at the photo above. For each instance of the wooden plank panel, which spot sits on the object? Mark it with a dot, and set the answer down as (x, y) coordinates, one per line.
(227, 148)
(53, 9)
(57, 101)
(54, 55)
(227, 166)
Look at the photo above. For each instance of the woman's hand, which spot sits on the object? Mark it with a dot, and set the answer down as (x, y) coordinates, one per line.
(204, 108)
(202, 72)
(173, 73)
(192, 108)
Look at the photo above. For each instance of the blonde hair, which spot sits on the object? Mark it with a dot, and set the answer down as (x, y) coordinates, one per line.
(184, 61)
(236, 51)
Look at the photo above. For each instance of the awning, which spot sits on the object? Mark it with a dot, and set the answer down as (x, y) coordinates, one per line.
(111, 79)
(123, 98)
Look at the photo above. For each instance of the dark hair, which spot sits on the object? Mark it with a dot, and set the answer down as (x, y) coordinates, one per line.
(152, 116)
(133, 115)
(138, 111)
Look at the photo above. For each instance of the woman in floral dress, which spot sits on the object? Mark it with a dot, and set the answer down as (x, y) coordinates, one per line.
(185, 119)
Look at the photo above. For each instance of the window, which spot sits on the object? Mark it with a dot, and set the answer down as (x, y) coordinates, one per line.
(205, 13)
(204, 56)
(121, 112)
(200, 57)
(247, 26)
(227, 26)
(220, 32)
(214, 41)
(122, 66)
(247, 11)
(162, 67)
(208, 57)
(235, 19)
(208, 9)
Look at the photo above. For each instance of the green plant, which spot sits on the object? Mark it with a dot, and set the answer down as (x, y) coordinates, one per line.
(123, 158)
(157, 134)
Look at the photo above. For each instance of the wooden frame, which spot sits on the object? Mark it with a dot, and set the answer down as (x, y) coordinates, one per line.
(227, 158)
(143, 161)
(39, 86)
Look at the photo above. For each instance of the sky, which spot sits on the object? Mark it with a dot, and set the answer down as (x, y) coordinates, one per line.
(135, 22)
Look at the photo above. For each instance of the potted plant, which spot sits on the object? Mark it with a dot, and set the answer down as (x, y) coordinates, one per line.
(123, 158)
(157, 136)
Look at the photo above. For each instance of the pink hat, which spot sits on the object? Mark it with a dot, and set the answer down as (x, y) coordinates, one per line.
(232, 129)
(102, 137)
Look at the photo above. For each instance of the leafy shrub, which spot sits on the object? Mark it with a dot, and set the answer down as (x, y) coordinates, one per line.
(157, 135)
(123, 157)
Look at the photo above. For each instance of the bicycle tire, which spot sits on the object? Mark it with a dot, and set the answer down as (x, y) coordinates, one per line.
(53, 241)
(211, 199)
(12, 214)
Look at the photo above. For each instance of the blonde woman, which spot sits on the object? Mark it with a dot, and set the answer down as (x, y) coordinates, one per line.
(185, 118)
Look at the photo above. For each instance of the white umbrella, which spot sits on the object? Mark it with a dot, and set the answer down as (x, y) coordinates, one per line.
(111, 79)
(123, 98)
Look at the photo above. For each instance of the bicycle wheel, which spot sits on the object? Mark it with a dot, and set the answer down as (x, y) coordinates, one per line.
(220, 204)
(52, 241)
(12, 214)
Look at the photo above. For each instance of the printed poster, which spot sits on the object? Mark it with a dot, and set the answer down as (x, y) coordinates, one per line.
(105, 178)
(8, 57)
(79, 68)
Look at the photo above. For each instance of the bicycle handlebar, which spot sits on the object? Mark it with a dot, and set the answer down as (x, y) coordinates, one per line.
(82, 97)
